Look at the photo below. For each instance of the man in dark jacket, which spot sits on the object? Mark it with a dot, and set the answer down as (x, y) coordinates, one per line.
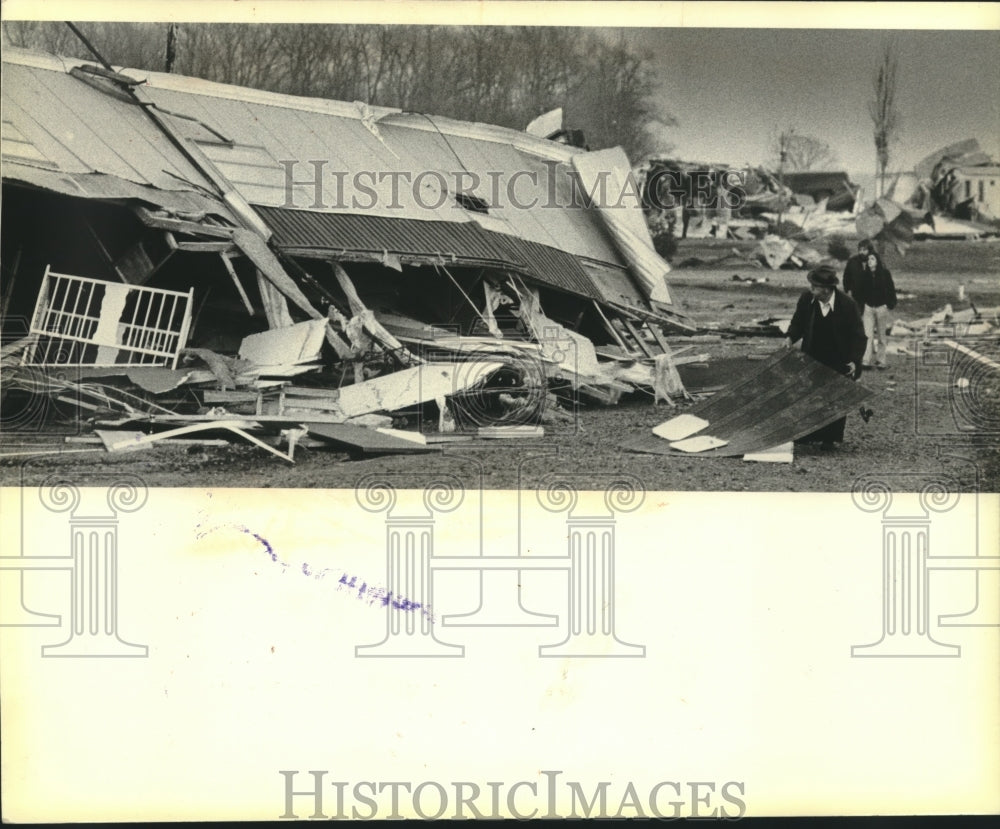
(827, 322)
(854, 271)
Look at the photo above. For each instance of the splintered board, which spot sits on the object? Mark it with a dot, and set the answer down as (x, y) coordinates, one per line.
(411, 386)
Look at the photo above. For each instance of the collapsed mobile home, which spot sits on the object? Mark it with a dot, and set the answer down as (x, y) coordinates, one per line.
(170, 230)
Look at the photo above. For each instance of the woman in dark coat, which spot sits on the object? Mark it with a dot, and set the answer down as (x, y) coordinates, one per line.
(875, 294)
(828, 323)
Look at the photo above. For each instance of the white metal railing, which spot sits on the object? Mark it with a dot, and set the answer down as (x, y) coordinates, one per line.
(84, 321)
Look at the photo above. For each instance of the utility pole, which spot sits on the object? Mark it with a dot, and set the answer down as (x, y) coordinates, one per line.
(168, 65)
(783, 141)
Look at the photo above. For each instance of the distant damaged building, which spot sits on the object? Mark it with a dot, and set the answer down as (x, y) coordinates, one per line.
(833, 187)
(959, 180)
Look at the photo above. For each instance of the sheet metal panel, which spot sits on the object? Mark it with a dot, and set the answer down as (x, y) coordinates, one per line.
(615, 284)
(786, 398)
(411, 144)
(97, 186)
(352, 161)
(80, 129)
(607, 176)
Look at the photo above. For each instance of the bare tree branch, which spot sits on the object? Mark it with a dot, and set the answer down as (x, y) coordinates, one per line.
(883, 111)
(796, 153)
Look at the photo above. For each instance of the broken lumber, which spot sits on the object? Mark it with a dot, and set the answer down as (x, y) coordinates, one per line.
(131, 442)
(495, 432)
(783, 453)
(278, 349)
(95, 438)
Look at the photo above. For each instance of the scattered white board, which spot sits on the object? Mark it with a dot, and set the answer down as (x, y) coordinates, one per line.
(785, 453)
(680, 427)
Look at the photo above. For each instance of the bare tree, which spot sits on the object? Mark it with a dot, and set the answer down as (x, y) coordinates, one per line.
(883, 111)
(47, 37)
(612, 100)
(797, 153)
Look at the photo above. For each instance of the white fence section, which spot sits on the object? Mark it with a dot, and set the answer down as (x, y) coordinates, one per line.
(83, 321)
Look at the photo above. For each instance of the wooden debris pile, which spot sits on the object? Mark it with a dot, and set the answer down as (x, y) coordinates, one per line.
(281, 389)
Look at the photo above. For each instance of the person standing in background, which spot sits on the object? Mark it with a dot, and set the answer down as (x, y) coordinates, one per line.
(854, 271)
(872, 288)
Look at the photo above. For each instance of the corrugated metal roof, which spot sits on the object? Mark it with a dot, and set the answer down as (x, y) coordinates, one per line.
(464, 243)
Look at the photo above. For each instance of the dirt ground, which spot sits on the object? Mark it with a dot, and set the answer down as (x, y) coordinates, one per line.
(926, 417)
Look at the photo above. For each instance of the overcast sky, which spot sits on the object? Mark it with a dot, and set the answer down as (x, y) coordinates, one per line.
(732, 90)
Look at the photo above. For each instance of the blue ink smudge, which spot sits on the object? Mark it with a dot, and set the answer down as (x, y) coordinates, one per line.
(371, 593)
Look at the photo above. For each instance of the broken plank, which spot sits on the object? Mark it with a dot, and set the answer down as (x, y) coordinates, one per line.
(290, 370)
(693, 358)
(353, 300)
(151, 219)
(200, 247)
(247, 420)
(661, 341)
(77, 402)
(215, 396)
(367, 441)
(92, 439)
(56, 451)
(317, 403)
(639, 341)
(306, 391)
(496, 432)
(132, 443)
(611, 329)
(236, 281)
